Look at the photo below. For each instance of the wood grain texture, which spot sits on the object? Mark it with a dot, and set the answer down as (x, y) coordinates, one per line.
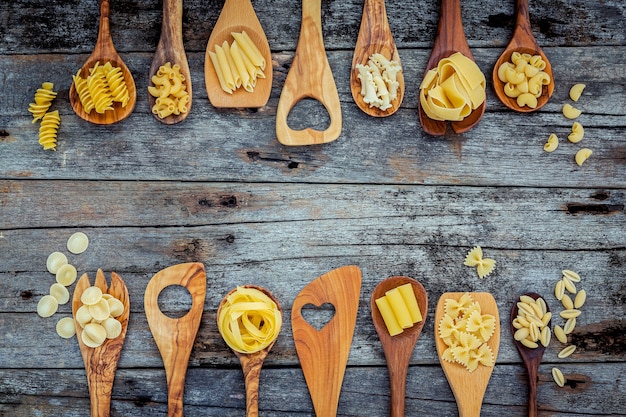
(469, 387)
(323, 353)
(310, 76)
(101, 362)
(175, 336)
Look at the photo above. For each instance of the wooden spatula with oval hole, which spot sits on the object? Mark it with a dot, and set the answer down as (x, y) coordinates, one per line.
(310, 76)
(175, 337)
(324, 353)
(468, 387)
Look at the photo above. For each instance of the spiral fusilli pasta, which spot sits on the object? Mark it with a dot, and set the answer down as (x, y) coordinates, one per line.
(103, 86)
(48, 130)
(43, 100)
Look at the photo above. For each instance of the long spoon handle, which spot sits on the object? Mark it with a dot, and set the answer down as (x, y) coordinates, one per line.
(171, 26)
(523, 34)
(104, 27)
(251, 366)
(532, 368)
(398, 368)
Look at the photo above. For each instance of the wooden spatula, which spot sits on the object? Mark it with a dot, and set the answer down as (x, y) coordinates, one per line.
(175, 337)
(468, 387)
(310, 76)
(324, 353)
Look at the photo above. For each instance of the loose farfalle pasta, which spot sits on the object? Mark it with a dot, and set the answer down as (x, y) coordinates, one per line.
(170, 91)
(453, 89)
(104, 86)
(552, 143)
(379, 84)
(582, 155)
(43, 100)
(524, 78)
(48, 130)
(238, 64)
(484, 266)
(466, 331)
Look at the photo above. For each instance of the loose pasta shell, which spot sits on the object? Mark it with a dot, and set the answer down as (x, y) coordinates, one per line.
(47, 306)
(59, 292)
(529, 344)
(559, 290)
(566, 351)
(91, 296)
(571, 112)
(55, 261)
(569, 285)
(83, 316)
(545, 337)
(567, 302)
(94, 335)
(66, 327)
(558, 377)
(560, 334)
(78, 243)
(576, 91)
(116, 307)
(580, 298)
(578, 132)
(516, 323)
(568, 314)
(582, 155)
(113, 328)
(66, 275)
(573, 276)
(569, 325)
(552, 143)
(100, 310)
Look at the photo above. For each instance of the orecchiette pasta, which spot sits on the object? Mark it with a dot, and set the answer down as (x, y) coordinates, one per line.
(170, 91)
(43, 100)
(524, 78)
(48, 130)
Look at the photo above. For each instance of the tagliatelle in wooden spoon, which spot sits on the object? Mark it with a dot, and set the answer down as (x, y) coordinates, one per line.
(249, 320)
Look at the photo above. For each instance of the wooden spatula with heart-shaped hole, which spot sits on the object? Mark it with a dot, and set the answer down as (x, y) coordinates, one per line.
(324, 353)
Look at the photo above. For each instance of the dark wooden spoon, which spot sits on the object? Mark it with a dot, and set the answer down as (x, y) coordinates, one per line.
(251, 363)
(531, 359)
(522, 41)
(450, 39)
(170, 49)
(104, 51)
(398, 349)
(374, 37)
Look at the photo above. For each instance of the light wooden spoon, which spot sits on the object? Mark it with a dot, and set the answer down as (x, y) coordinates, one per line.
(310, 76)
(468, 387)
(531, 359)
(171, 49)
(374, 37)
(238, 16)
(103, 52)
(398, 349)
(101, 362)
(523, 42)
(450, 39)
(251, 363)
(175, 337)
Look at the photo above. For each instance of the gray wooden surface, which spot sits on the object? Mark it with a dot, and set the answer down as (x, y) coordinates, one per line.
(219, 189)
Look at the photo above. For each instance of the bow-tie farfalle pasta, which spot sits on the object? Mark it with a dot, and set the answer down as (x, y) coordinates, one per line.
(453, 89)
(465, 332)
(170, 91)
(104, 86)
(484, 266)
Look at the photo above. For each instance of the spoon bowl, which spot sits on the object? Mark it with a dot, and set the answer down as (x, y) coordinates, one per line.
(468, 387)
(523, 42)
(531, 359)
(398, 349)
(251, 363)
(450, 39)
(103, 52)
(101, 362)
(374, 37)
(238, 16)
(171, 49)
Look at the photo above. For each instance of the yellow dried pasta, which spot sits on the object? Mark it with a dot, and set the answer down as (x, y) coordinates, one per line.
(43, 100)
(524, 78)
(97, 316)
(378, 78)
(399, 309)
(104, 86)
(48, 130)
(484, 266)
(170, 91)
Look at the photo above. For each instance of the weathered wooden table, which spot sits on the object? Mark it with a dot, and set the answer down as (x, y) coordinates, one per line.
(219, 189)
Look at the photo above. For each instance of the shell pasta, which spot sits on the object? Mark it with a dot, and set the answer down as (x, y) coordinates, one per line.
(170, 91)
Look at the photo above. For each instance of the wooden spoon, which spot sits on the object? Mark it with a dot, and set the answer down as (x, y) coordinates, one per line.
(324, 353)
(170, 49)
(251, 363)
(531, 359)
(175, 337)
(468, 387)
(104, 52)
(398, 349)
(238, 16)
(101, 362)
(310, 76)
(374, 37)
(523, 42)
(450, 39)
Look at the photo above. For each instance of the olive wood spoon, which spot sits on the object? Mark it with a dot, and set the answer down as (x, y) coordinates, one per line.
(468, 387)
(170, 49)
(310, 76)
(103, 52)
(101, 362)
(522, 41)
(450, 39)
(399, 348)
(251, 363)
(175, 336)
(531, 359)
(238, 16)
(374, 37)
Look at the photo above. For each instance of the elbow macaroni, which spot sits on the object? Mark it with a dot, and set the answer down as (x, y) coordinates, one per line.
(524, 78)
(170, 91)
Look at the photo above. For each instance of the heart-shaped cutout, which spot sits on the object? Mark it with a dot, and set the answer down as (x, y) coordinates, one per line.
(318, 316)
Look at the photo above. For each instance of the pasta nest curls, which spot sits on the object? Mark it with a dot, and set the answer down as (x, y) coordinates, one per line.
(43, 100)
